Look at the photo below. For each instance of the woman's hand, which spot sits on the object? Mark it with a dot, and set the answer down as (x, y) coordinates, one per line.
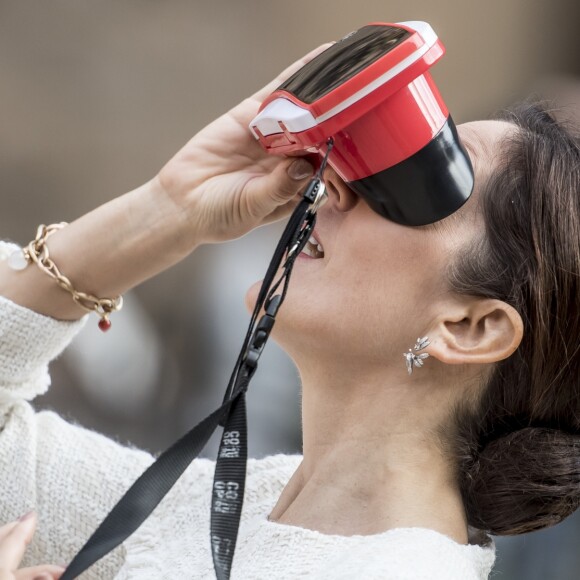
(218, 187)
(14, 538)
(223, 180)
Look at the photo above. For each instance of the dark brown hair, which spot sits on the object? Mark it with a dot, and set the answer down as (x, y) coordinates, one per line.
(518, 448)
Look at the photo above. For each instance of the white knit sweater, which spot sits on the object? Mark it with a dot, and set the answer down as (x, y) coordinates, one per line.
(73, 476)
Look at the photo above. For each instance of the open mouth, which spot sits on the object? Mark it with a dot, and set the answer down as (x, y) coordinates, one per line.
(313, 249)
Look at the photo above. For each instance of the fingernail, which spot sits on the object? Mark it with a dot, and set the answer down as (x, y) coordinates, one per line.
(43, 576)
(27, 516)
(300, 169)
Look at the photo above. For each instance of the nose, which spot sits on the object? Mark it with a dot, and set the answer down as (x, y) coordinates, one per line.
(340, 196)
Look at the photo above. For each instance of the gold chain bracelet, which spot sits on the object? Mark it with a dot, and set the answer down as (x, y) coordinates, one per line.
(37, 252)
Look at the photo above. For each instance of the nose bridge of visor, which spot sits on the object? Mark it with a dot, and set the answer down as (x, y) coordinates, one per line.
(396, 128)
(404, 157)
(424, 188)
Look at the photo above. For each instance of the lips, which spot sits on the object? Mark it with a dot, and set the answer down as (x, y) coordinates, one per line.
(313, 248)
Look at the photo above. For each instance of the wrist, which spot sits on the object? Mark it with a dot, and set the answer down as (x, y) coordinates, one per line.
(168, 224)
(105, 253)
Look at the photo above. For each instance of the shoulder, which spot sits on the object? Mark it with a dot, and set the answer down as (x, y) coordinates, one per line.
(278, 465)
(414, 554)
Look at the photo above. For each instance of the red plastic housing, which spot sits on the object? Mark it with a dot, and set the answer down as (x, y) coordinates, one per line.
(384, 127)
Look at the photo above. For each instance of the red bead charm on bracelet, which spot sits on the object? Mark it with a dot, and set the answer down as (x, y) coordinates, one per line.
(37, 252)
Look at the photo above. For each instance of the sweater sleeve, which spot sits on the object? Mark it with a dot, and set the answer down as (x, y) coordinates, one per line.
(28, 342)
(69, 475)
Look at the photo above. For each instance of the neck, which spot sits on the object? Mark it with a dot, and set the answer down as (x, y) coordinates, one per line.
(371, 458)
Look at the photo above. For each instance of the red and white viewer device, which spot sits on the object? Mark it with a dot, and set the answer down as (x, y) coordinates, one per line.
(394, 141)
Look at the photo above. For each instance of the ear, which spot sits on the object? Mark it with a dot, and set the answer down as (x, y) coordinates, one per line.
(480, 331)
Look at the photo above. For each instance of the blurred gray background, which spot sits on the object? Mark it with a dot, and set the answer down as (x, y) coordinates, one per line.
(95, 96)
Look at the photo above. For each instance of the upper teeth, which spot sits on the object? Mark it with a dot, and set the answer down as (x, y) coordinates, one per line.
(313, 248)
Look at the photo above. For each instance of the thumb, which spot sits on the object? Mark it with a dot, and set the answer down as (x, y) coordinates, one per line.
(269, 192)
(15, 541)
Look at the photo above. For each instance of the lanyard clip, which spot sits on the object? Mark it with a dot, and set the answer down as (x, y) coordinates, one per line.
(261, 334)
(316, 194)
(320, 199)
(302, 237)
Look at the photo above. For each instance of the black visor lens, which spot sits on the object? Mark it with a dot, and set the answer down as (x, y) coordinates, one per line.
(342, 61)
(424, 188)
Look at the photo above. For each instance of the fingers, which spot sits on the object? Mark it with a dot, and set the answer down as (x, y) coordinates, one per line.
(14, 542)
(39, 573)
(14, 537)
(287, 73)
(267, 194)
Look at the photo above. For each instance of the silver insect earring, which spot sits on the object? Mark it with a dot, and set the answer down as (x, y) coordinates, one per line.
(417, 359)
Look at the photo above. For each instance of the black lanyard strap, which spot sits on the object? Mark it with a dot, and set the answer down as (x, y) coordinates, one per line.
(230, 472)
(228, 488)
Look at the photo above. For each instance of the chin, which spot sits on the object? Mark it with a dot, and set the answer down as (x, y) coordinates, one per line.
(279, 331)
(252, 295)
(296, 330)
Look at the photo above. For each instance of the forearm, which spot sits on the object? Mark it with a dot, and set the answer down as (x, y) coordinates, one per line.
(106, 252)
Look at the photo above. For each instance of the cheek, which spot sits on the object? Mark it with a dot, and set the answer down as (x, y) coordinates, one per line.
(374, 300)
(371, 297)
(385, 294)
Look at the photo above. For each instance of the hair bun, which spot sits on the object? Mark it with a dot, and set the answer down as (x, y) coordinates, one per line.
(524, 481)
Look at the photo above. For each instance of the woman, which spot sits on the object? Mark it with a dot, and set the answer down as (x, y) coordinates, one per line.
(399, 471)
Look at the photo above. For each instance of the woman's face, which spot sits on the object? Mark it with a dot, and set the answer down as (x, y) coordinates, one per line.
(378, 285)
